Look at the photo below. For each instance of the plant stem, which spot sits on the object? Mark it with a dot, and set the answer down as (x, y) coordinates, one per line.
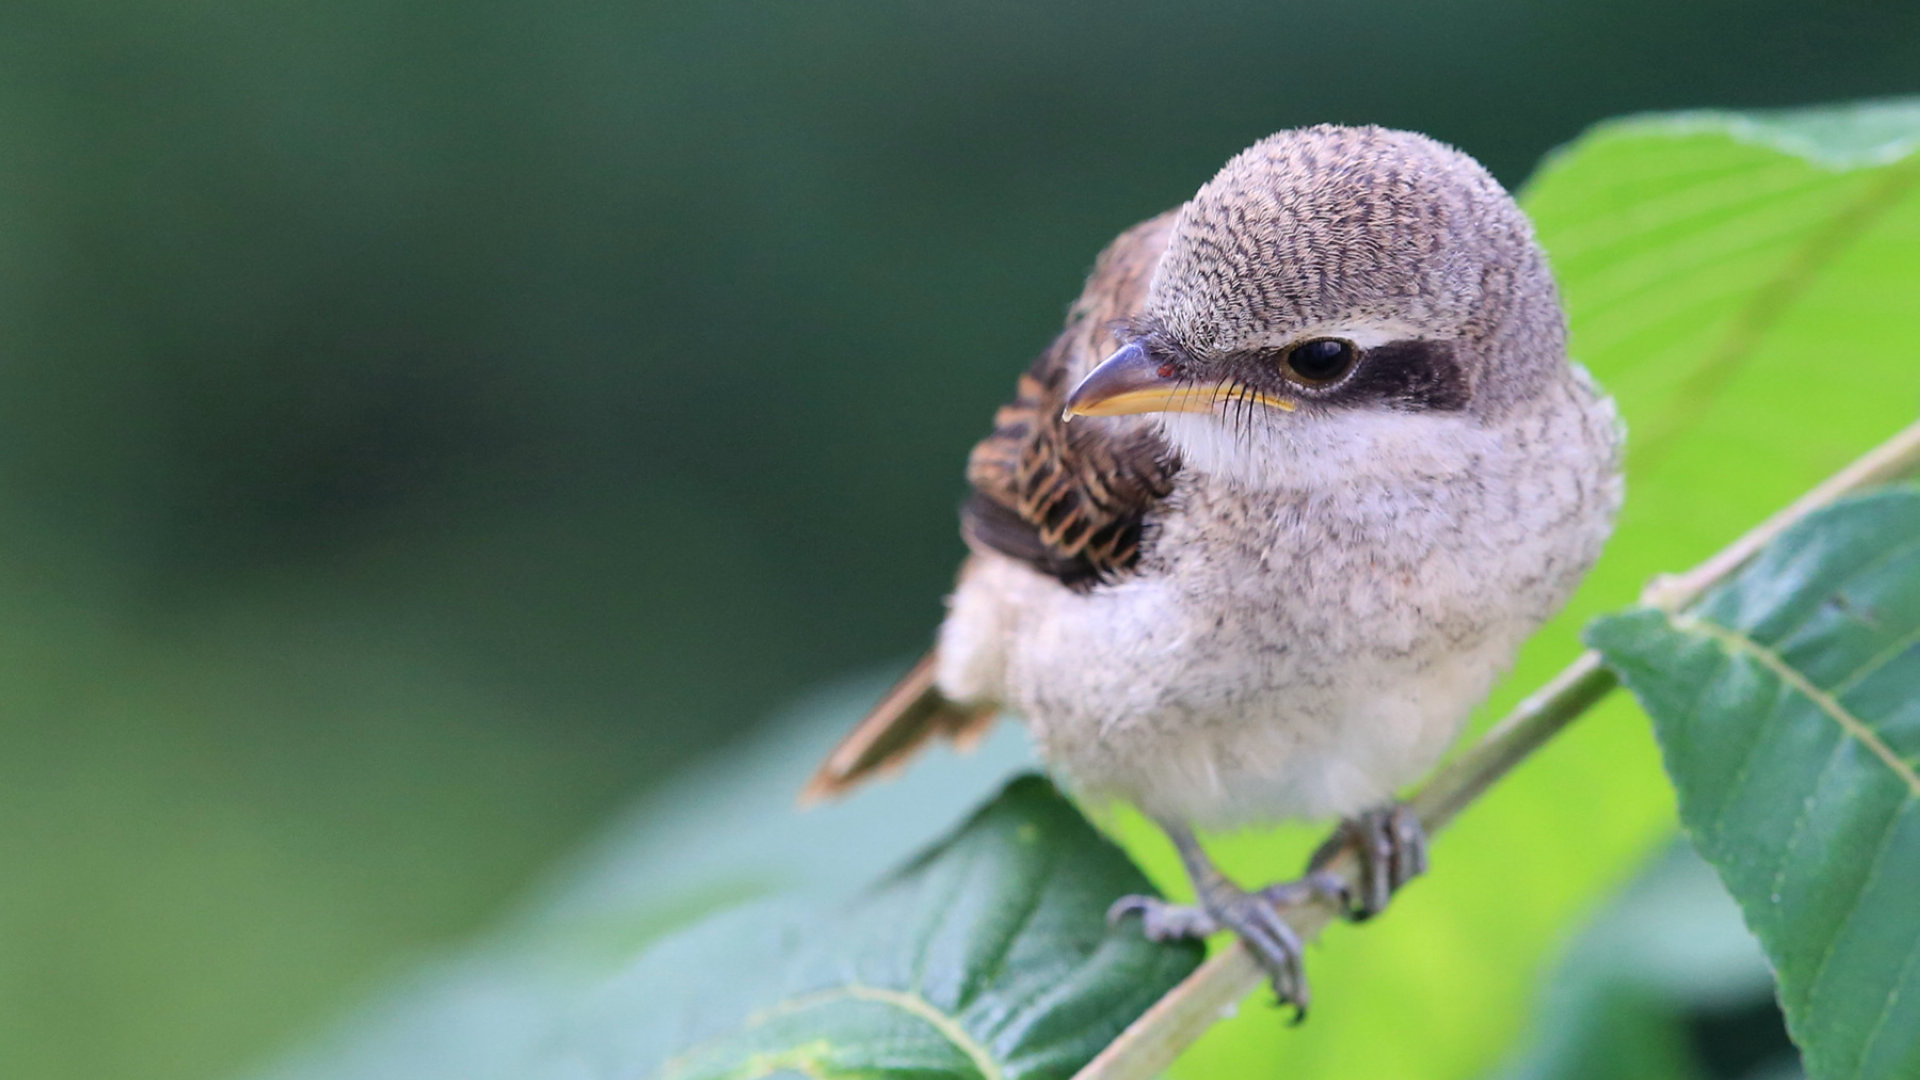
(1209, 994)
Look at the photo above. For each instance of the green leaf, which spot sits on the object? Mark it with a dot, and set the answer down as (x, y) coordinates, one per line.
(1743, 285)
(987, 956)
(1787, 705)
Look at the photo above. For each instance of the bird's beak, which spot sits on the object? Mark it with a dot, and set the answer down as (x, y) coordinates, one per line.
(1133, 381)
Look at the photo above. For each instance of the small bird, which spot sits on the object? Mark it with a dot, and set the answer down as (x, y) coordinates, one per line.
(1306, 466)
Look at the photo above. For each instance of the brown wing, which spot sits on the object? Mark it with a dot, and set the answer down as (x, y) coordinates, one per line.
(1069, 500)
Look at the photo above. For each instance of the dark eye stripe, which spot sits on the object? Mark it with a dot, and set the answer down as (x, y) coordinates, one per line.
(1413, 376)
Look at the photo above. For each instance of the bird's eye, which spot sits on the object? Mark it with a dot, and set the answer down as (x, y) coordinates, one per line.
(1321, 361)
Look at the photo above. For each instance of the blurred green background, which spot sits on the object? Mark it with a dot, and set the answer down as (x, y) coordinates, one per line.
(426, 427)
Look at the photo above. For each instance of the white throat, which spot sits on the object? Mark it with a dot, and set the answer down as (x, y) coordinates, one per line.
(1269, 450)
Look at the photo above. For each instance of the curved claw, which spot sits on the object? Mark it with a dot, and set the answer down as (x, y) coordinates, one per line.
(1161, 921)
(1118, 911)
(1274, 945)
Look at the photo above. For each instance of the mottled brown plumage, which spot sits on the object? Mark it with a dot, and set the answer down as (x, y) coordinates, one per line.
(1070, 499)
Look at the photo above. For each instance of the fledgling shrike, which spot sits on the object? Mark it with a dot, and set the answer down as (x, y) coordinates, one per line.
(1306, 466)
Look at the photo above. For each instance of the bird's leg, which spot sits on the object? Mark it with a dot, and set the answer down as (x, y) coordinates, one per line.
(1391, 846)
(1223, 906)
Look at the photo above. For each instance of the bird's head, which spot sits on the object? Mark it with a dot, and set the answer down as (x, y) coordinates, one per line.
(1338, 302)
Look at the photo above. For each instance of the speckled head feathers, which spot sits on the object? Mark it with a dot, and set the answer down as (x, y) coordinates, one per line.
(1367, 234)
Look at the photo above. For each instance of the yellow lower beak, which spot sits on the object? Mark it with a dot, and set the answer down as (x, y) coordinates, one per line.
(1132, 381)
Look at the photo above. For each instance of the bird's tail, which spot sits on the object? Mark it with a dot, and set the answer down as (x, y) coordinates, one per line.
(911, 714)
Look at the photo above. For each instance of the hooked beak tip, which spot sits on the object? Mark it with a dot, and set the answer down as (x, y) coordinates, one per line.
(1118, 384)
(1133, 380)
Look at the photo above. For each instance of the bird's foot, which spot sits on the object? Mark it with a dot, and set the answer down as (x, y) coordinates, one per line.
(1254, 917)
(1164, 921)
(1391, 846)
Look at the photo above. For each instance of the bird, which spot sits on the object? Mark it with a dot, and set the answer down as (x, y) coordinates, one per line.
(1307, 464)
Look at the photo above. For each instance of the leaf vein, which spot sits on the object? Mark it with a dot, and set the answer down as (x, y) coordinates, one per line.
(1772, 300)
(1877, 661)
(906, 1001)
(949, 1027)
(1736, 641)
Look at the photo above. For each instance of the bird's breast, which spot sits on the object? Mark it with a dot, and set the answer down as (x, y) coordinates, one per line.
(1283, 654)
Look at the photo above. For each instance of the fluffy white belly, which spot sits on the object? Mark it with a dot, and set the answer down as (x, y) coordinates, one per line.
(1225, 717)
(1279, 664)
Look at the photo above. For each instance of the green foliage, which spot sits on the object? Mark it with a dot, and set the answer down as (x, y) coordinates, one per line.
(987, 956)
(1788, 708)
(715, 838)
